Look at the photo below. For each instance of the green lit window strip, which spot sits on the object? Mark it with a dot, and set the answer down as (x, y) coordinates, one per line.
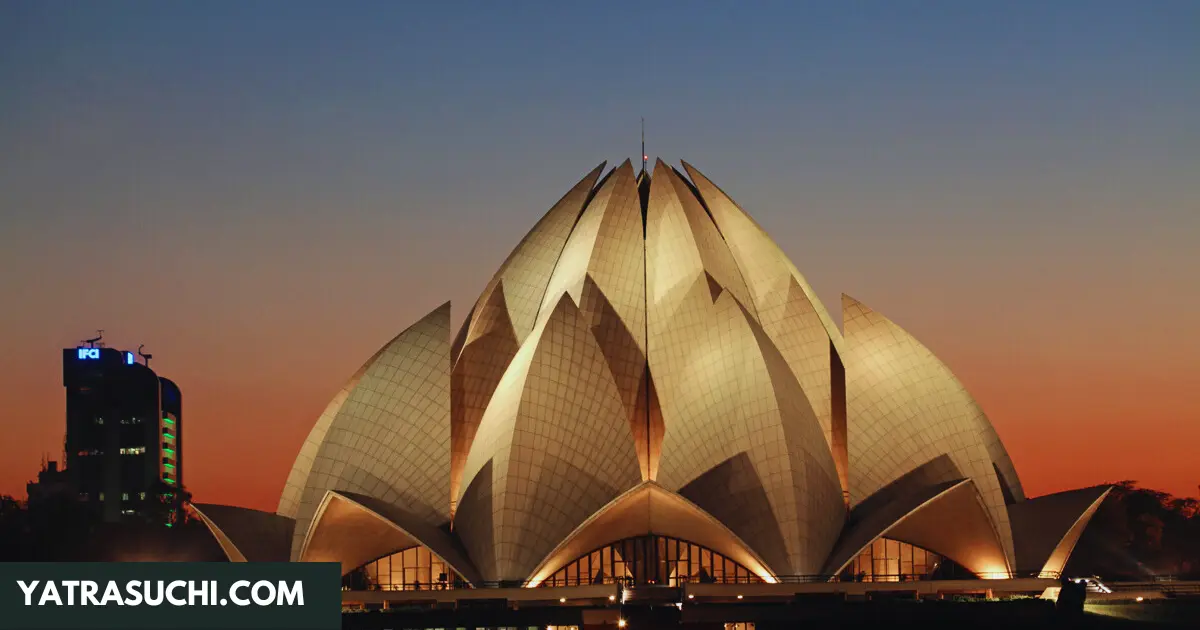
(169, 465)
(168, 480)
(168, 436)
(170, 450)
(168, 421)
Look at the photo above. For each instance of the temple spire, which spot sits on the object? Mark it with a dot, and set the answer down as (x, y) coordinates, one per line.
(644, 156)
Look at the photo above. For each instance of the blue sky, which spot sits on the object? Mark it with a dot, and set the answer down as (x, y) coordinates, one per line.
(188, 171)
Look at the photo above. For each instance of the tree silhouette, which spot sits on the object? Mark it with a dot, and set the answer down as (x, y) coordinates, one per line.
(59, 528)
(1140, 534)
(169, 506)
(56, 528)
(14, 529)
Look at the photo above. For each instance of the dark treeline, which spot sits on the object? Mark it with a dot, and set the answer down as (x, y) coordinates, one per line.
(59, 529)
(1140, 534)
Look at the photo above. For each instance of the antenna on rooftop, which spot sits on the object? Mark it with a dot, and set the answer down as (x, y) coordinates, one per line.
(644, 156)
(92, 342)
(145, 357)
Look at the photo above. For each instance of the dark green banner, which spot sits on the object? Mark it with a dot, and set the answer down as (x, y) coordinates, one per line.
(162, 595)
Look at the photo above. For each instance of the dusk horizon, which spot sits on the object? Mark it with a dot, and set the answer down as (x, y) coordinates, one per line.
(264, 200)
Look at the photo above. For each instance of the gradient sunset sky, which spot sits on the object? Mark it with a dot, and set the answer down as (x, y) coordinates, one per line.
(264, 193)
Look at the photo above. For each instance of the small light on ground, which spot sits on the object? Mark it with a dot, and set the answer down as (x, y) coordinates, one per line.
(1140, 598)
(739, 596)
(620, 623)
(562, 600)
(691, 597)
(612, 598)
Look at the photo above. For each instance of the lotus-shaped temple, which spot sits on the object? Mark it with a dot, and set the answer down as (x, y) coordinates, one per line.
(648, 391)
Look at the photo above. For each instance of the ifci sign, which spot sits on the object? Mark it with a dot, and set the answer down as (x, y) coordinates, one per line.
(88, 354)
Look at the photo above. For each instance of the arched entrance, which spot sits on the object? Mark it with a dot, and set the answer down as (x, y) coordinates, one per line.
(651, 560)
(412, 569)
(889, 560)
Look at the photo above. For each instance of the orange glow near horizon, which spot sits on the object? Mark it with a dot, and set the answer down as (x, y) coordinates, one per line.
(1068, 418)
(265, 209)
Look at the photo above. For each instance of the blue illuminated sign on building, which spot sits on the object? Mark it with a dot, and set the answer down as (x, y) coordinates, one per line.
(128, 358)
(89, 353)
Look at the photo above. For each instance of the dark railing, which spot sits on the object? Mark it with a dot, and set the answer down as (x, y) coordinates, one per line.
(1171, 586)
(681, 581)
(417, 586)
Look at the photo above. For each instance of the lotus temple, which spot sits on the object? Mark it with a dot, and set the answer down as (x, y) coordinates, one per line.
(648, 393)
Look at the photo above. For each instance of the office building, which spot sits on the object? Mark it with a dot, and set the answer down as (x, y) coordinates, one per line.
(123, 434)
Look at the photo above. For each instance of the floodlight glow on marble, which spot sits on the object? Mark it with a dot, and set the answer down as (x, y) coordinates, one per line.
(645, 349)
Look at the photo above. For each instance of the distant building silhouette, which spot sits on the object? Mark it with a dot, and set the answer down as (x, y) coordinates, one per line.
(51, 482)
(123, 434)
